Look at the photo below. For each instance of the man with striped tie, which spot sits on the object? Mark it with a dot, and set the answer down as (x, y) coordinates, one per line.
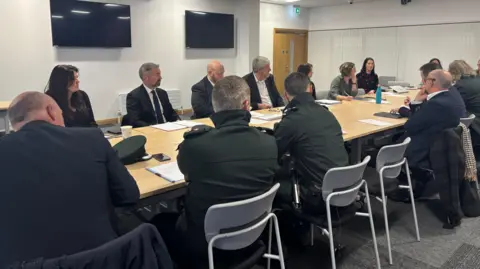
(148, 105)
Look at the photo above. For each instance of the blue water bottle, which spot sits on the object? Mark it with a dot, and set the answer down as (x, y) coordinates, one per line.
(378, 95)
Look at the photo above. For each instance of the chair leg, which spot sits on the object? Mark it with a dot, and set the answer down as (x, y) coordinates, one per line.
(210, 255)
(279, 242)
(330, 236)
(385, 217)
(312, 234)
(269, 242)
(413, 200)
(372, 226)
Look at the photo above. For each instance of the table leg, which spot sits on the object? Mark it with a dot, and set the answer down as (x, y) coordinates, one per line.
(356, 151)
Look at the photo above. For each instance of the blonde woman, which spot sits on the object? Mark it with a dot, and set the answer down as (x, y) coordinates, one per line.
(468, 85)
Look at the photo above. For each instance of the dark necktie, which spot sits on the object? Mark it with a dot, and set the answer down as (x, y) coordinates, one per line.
(158, 110)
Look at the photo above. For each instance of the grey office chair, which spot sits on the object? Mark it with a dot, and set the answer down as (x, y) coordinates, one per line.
(340, 188)
(468, 121)
(236, 225)
(390, 160)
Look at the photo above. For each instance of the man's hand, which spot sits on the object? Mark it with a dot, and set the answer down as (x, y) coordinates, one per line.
(406, 101)
(421, 96)
(264, 106)
(345, 98)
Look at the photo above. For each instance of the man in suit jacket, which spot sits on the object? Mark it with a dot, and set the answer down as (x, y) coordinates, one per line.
(263, 92)
(59, 185)
(437, 114)
(148, 105)
(202, 91)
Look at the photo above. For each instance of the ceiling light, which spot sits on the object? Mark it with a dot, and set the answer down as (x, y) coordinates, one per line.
(80, 11)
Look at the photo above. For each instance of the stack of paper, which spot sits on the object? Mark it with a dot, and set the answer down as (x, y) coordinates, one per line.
(255, 114)
(169, 171)
(328, 102)
(269, 117)
(169, 126)
(188, 123)
(376, 122)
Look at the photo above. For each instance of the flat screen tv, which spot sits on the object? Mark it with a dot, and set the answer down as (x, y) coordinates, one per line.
(204, 30)
(90, 24)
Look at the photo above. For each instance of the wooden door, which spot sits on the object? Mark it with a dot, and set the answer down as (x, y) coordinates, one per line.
(289, 51)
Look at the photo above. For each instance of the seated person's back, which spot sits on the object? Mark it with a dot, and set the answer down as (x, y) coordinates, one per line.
(227, 163)
(312, 136)
(59, 185)
(436, 114)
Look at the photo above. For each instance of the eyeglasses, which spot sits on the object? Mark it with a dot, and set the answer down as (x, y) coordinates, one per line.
(432, 79)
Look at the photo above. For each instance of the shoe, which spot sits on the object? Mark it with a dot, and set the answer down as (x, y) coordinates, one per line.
(400, 195)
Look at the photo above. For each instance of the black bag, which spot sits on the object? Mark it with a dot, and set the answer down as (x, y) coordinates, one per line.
(469, 198)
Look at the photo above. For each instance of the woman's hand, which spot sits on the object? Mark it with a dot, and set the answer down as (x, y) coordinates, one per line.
(371, 92)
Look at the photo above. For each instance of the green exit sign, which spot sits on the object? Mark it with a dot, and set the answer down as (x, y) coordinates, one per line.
(297, 10)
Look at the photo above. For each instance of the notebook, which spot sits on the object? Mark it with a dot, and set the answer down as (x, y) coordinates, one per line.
(169, 171)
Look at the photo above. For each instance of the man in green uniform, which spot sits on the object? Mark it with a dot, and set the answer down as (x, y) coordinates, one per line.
(224, 164)
(313, 137)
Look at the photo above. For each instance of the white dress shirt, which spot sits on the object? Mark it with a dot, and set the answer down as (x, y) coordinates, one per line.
(262, 88)
(430, 96)
(149, 91)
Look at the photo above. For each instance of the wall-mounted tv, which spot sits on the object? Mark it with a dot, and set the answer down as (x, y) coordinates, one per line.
(204, 30)
(90, 24)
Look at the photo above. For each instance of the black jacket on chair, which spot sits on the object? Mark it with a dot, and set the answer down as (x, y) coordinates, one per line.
(469, 89)
(255, 97)
(142, 248)
(437, 114)
(57, 191)
(202, 99)
(140, 108)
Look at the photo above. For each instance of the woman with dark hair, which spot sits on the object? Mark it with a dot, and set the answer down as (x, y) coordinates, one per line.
(307, 69)
(63, 87)
(367, 79)
(436, 61)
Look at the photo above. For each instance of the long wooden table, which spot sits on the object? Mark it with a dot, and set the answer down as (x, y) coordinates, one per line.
(347, 113)
(3, 114)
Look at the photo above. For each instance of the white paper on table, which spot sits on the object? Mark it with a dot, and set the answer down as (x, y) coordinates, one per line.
(376, 122)
(327, 101)
(255, 114)
(257, 121)
(169, 126)
(383, 102)
(343, 132)
(393, 94)
(269, 117)
(169, 171)
(188, 123)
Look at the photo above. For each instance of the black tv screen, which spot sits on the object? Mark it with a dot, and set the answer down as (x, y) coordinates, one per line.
(89, 24)
(205, 30)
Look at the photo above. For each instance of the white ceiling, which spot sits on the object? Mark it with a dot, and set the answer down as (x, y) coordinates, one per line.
(315, 3)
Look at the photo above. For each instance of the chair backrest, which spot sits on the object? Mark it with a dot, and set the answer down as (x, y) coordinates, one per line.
(468, 121)
(142, 247)
(341, 179)
(236, 216)
(390, 155)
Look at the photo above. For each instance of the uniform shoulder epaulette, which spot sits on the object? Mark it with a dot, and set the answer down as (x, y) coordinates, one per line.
(197, 131)
(289, 110)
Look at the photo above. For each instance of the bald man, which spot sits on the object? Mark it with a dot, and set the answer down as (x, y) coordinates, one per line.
(58, 185)
(202, 91)
(437, 114)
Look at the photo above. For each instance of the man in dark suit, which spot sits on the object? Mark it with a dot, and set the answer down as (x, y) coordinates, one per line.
(58, 186)
(148, 105)
(202, 91)
(263, 92)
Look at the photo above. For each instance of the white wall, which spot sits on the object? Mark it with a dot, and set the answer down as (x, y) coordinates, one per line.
(27, 55)
(392, 13)
(278, 16)
(398, 50)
